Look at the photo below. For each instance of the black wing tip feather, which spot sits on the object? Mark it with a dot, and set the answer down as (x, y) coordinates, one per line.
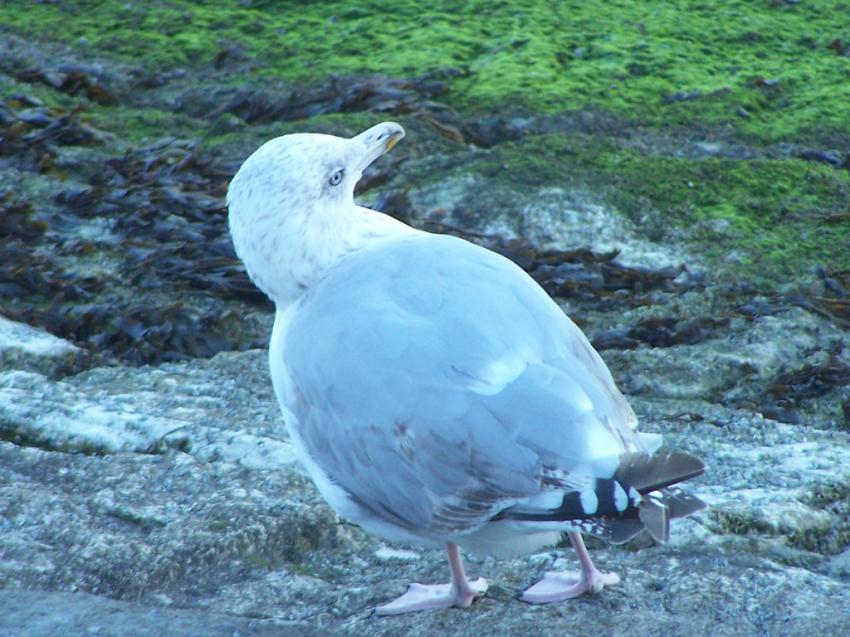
(653, 515)
(652, 476)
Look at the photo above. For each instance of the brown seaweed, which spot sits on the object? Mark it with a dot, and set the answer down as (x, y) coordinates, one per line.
(376, 93)
(659, 331)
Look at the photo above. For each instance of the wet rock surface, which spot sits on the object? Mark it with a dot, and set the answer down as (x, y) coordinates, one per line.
(62, 614)
(147, 485)
(215, 515)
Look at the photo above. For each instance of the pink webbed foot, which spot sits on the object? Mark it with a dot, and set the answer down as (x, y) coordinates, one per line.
(558, 586)
(555, 586)
(459, 592)
(426, 596)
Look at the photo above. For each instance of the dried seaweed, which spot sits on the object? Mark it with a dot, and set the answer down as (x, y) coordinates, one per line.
(164, 207)
(72, 80)
(377, 93)
(659, 331)
(167, 200)
(30, 134)
(138, 333)
(493, 130)
(811, 381)
(833, 301)
(18, 220)
(790, 390)
(24, 271)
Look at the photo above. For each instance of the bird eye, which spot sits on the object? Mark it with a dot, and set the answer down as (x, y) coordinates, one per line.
(336, 178)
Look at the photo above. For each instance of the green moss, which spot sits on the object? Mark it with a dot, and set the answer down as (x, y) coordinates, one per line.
(834, 498)
(766, 218)
(140, 125)
(825, 539)
(218, 524)
(301, 568)
(10, 89)
(770, 214)
(740, 524)
(618, 56)
(764, 72)
(262, 561)
(830, 541)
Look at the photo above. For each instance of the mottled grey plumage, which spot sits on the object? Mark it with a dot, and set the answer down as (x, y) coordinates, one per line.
(390, 351)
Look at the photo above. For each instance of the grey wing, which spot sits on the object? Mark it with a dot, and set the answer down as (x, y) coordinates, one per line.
(437, 384)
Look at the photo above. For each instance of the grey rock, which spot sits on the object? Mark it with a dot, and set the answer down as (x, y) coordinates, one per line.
(550, 217)
(55, 614)
(224, 526)
(27, 348)
(742, 360)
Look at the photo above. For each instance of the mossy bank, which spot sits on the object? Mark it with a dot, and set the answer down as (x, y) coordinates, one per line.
(774, 71)
(721, 127)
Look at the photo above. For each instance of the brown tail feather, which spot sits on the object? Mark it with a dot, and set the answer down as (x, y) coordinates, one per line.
(655, 517)
(651, 473)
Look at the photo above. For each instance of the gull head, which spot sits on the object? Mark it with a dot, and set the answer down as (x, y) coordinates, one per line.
(291, 200)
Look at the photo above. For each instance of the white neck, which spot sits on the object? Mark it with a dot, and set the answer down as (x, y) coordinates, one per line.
(287, 258)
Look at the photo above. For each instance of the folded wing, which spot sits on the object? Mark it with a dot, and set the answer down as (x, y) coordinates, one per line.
(441, 388)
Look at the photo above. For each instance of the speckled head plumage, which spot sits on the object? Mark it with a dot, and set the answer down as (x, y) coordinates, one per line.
(292, 195)
(297, 171)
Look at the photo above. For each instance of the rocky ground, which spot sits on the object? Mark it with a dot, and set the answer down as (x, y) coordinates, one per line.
(147, 485)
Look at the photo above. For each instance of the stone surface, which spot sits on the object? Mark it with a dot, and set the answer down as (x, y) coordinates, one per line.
(69, 614)
(548, 217)
(215, 528)
(26, 347)
(138, 498)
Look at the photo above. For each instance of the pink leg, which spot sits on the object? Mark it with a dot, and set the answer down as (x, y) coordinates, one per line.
(459, 592)
(556, 586)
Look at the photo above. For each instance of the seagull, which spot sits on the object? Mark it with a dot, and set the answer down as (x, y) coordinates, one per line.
(433, 391)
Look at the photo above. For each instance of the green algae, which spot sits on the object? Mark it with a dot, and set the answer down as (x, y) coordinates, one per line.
(833, 539)
(768, 218)
(759, 73)
(770, 71)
